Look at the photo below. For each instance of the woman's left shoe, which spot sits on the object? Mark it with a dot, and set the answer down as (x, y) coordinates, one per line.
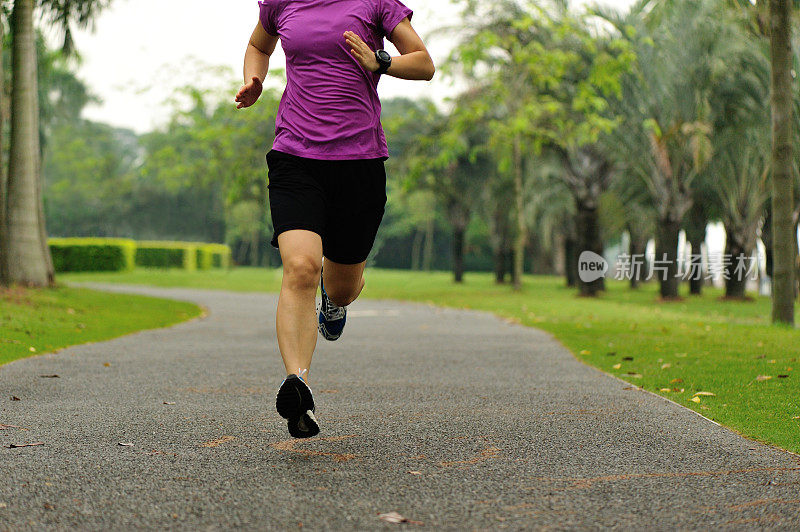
(331, 317)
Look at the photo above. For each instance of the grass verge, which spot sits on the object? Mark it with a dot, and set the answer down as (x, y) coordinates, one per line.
(39, 321)
(675, 349)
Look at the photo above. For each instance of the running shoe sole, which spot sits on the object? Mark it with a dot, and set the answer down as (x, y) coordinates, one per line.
(295, 403)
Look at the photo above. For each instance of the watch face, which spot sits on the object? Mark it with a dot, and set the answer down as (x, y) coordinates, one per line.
(384, 56)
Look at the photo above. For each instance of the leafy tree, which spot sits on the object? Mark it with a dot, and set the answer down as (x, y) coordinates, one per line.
(550, 77)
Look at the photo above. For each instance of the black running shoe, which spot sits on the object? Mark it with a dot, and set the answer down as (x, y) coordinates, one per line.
(295, 402)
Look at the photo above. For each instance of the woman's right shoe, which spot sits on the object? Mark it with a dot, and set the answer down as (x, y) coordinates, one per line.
(295, 402)
(331, 316)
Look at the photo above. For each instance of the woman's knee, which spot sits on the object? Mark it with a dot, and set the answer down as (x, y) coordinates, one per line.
(301, 272)
(344, 295)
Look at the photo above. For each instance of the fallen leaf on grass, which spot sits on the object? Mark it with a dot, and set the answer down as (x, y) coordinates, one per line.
(762, 378)
(707, 394)
(629, 359)
(633, 375)
(665, 389)
(49, 376)
(616, 366)
(796, 417)
(585, 352)
(666, 366)
(676, 381)
(32, 349)
(20, 445)
(394, 517)
(695, 399)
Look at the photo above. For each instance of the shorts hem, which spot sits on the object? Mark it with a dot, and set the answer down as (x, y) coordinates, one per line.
(344, 261)
(291, 227)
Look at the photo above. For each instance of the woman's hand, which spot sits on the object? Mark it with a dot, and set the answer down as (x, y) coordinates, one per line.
(363, 53)
(249, 94)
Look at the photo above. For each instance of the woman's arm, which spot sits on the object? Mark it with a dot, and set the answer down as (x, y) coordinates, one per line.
(256, 66)
(414, 62)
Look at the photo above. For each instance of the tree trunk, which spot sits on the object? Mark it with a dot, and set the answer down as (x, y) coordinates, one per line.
(51, 273)
(458, 253)
(571, 260)
(697, 272)
(416, 250)
(637, 248)
(559, 267)
(784, 239)
(589, 239)
(696, 235)
(666, 260)
(735, 280)
(519, 244)
(3, 174)
(26, 263)
(498, 238)
(427, 255)
(500, 266)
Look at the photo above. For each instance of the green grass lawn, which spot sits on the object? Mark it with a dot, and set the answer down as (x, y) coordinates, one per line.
(39, 321)
(675, 349)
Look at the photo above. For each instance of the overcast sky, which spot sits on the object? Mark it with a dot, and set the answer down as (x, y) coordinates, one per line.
(141, 50)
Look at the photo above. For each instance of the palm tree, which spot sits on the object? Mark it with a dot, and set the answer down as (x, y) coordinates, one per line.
(3, 176)
(684, 50)
(783, 225)
(742, 192)
(587, 173)
(24, 253)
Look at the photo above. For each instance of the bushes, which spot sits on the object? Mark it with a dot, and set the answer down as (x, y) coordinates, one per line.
(92, 254)
(116, 254)
(167, 255)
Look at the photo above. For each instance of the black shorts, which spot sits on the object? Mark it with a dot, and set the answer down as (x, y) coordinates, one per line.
(341, 201)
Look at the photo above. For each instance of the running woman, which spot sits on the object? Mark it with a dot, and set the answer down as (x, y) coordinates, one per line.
(327, 183)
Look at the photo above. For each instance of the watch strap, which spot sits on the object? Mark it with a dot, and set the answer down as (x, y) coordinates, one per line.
(383, 66)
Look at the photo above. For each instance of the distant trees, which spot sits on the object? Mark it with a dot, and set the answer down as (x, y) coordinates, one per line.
(575, 131)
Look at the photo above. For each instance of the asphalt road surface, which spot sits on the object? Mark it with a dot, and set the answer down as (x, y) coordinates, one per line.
(452, 419)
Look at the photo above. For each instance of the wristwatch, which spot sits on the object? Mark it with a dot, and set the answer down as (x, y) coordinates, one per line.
(384, 60)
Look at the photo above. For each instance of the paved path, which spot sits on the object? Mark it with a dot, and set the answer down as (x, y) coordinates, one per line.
(454, 419)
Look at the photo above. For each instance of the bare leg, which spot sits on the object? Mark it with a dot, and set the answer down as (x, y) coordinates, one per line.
(343, 282)
(296, 322)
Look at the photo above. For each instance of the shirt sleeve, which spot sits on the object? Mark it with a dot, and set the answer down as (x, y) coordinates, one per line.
(390, 14)
(268, 15)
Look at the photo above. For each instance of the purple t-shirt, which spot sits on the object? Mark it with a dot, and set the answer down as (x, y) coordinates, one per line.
(330, 108)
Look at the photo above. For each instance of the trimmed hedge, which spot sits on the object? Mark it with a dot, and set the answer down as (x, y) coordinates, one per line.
(152, 254)
(92, 254)
(213, 256)
(117, 254)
